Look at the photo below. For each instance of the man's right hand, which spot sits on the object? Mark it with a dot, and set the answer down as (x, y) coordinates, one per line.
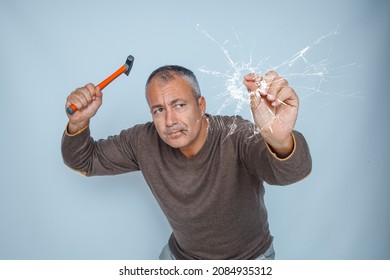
(87, 99)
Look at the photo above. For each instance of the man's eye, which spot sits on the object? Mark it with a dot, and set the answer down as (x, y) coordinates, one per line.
(158, 111)
(179, 106)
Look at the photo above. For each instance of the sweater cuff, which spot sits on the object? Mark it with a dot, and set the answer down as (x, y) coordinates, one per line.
(74, 134)
(274, 155)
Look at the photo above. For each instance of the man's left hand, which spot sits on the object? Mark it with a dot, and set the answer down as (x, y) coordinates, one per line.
(274, 107)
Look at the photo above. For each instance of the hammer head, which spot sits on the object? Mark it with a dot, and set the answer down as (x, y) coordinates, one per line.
(129, 64)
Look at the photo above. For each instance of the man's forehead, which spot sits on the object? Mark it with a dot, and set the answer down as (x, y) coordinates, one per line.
(177, 88)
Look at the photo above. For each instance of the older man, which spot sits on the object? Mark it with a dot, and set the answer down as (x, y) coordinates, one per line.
(205, 171)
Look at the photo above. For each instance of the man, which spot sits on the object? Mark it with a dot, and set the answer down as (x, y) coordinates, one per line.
(206, 172)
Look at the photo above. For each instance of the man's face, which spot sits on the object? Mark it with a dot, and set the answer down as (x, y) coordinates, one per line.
(176, 114)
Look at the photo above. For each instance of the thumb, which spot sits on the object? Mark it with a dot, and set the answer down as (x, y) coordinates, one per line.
(98, 93)
(98, 97)
(250, 85)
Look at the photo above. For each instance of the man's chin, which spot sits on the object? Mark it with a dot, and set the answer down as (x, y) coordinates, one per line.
(177, 141)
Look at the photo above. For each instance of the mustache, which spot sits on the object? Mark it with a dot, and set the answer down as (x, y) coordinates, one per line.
(175, 128)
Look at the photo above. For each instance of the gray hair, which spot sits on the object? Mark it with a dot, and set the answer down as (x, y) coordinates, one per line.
(168, 73)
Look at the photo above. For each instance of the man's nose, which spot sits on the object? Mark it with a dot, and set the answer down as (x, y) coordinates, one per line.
(170, 118)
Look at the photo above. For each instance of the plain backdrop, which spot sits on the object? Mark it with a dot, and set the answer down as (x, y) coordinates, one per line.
(48, 48)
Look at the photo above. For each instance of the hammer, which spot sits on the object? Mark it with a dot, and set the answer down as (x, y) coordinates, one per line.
(125, 68)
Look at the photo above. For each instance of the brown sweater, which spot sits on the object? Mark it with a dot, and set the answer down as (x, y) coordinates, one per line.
(214, 201)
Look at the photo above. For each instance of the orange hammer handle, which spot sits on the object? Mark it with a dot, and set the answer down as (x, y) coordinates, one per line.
(72, 108)
(112, 77)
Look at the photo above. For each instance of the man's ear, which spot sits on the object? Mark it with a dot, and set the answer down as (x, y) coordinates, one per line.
(202, 105)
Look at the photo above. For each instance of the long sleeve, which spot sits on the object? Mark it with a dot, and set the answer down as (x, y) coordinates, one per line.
(295, 167)
(264, 164)
(110, 156)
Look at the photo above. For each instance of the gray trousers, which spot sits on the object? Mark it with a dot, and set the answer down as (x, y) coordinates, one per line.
(166, 254)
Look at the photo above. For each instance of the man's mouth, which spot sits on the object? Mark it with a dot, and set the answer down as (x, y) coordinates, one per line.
(177, 133)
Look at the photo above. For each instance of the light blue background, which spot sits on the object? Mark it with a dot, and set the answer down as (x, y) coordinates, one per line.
(48, 48)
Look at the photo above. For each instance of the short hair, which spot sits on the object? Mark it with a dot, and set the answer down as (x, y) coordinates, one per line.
(168, 73)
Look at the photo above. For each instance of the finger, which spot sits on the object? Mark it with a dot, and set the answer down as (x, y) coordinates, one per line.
(286, 96)
(81, 97)
(256, 99)
(90, 95)
(98, 92)
(251, 77)
(250, 84)
(266, 82)
(262, 85)
(270, 76)
(275, 87)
